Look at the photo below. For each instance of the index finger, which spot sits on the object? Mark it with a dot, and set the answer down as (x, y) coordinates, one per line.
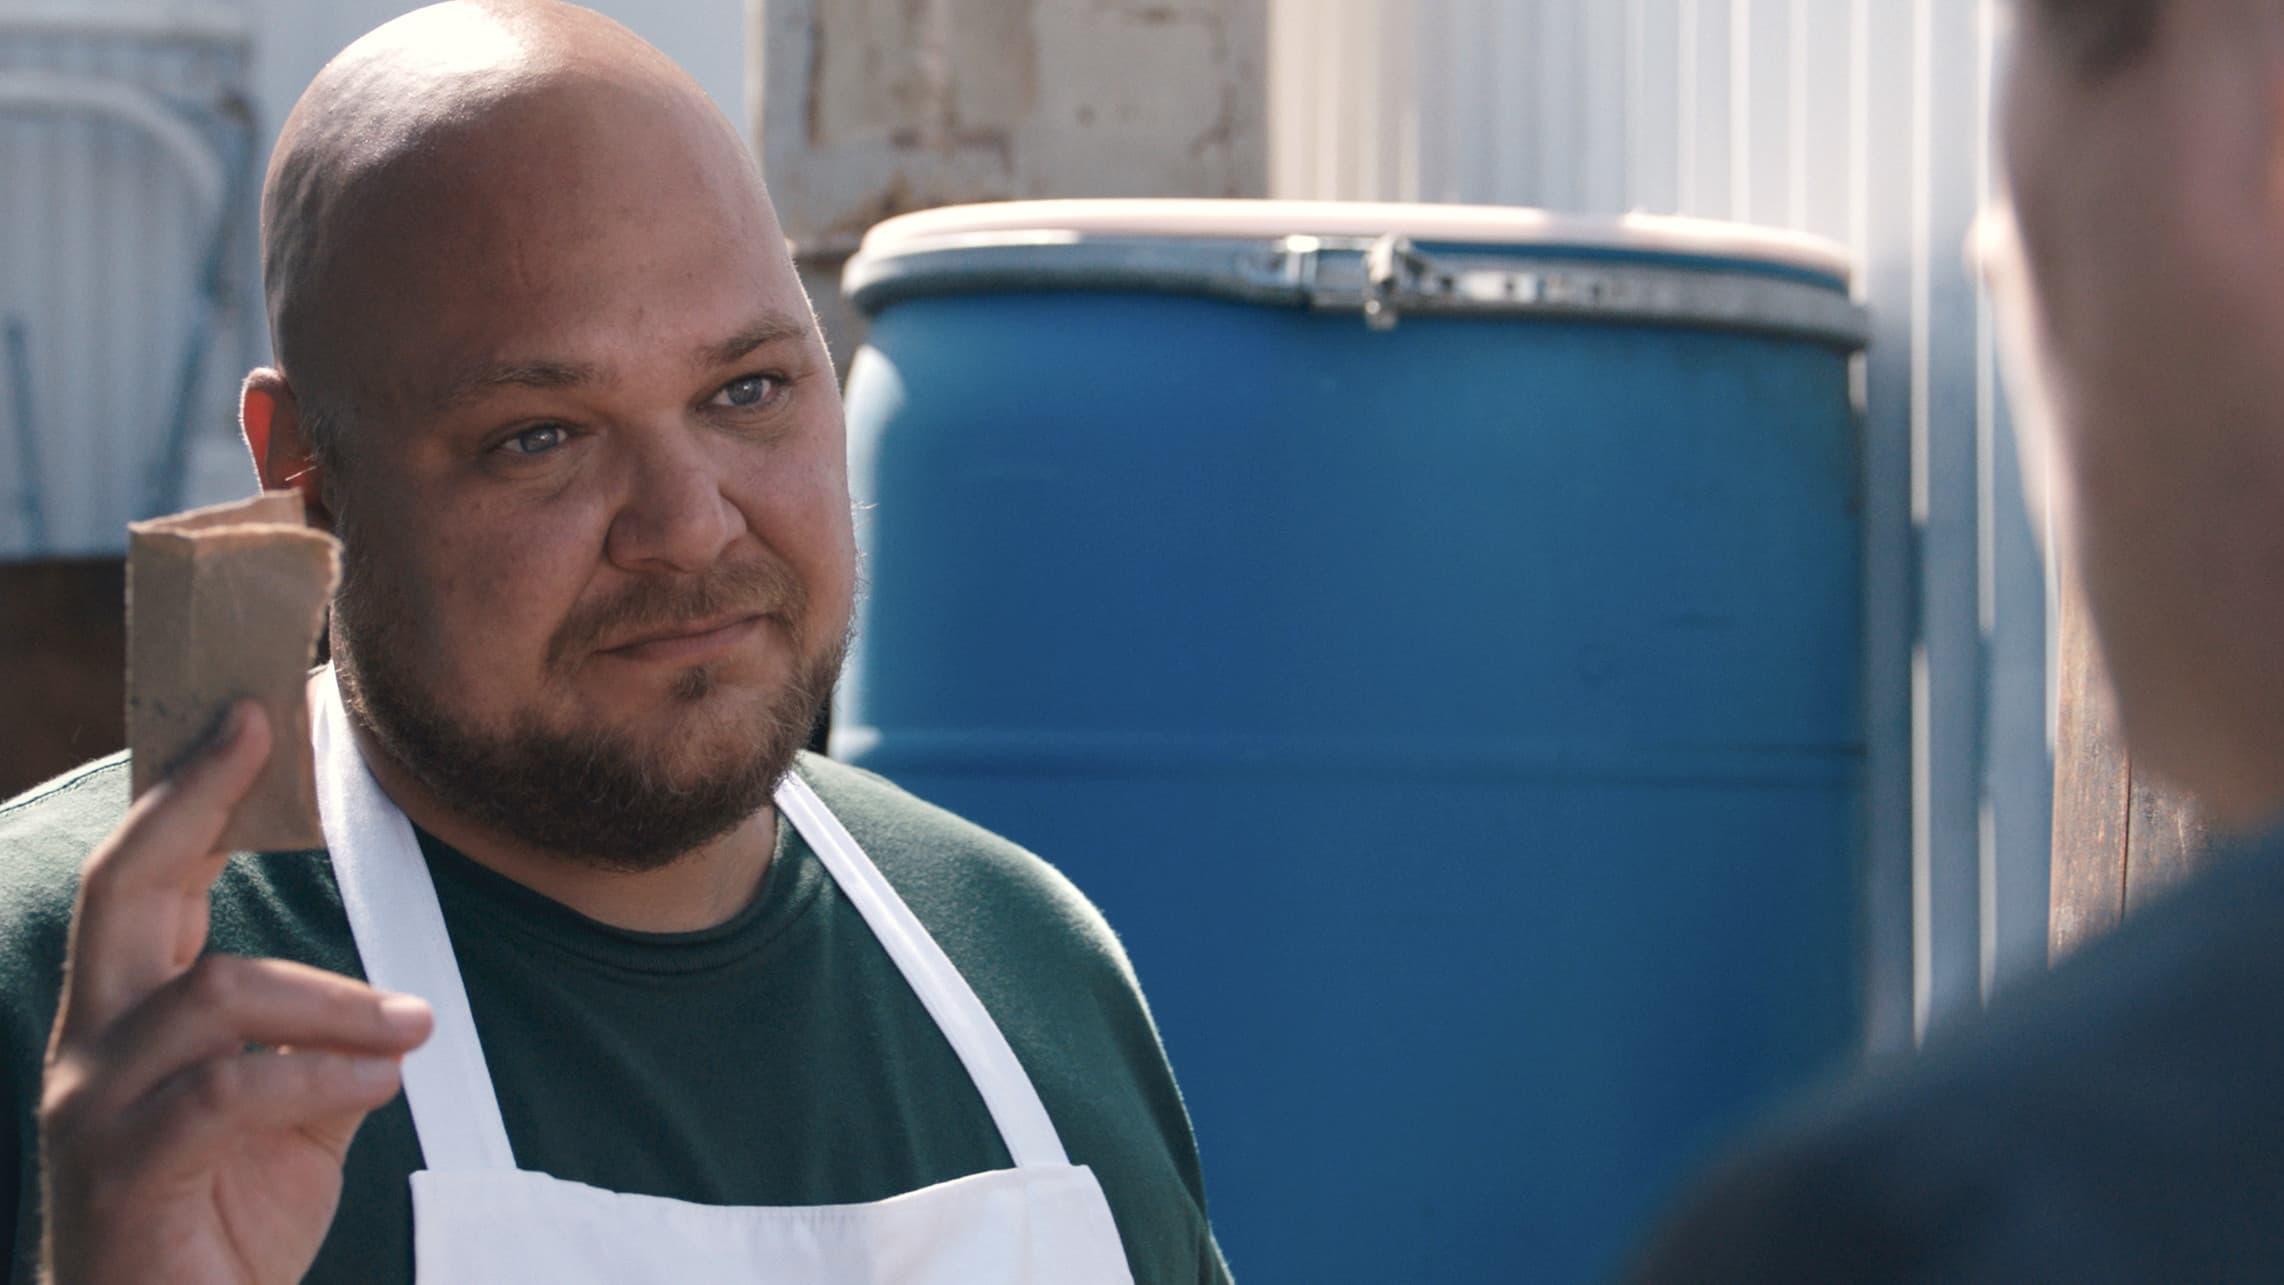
(128, 929)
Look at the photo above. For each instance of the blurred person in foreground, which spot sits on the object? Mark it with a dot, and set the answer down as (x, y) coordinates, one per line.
(2118, 1119)
(668, 1000)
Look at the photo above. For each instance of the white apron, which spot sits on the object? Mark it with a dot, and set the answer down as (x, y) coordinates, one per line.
(478, 1218)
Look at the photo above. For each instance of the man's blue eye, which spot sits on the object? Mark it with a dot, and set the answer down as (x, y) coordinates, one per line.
(537, 441)
(749, 391)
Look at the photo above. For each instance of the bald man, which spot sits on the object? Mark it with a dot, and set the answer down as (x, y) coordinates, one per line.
(2117, 1119)
(667, 1000)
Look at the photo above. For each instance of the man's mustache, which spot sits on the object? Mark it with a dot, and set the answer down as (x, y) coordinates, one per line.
(756, 587)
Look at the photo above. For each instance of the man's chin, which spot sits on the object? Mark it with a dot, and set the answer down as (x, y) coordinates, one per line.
(696, 749)
(635, 798)
(702, 717)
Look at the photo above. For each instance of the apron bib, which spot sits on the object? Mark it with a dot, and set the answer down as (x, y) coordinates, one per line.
(478, 1218)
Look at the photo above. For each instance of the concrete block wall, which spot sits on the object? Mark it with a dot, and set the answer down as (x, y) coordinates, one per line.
(865, 109)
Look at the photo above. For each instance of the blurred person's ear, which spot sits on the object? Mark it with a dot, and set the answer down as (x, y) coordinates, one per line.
(269, 417)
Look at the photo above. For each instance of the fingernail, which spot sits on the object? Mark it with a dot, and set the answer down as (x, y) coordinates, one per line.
(220, 735)
(249, 713)
(373, 1072)
(232, 726)
(406, 1015)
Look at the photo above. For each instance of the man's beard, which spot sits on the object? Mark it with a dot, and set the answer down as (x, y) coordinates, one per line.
(587, 794)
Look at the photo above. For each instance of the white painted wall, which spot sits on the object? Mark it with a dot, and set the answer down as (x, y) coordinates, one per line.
(105, 217)
(1866, 121)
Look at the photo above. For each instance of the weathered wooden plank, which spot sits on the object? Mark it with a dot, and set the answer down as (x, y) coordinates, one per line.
(63, 666)
(2092, 790)
(2167, 838)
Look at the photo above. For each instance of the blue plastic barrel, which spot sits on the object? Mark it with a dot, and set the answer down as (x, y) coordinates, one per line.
(1432, 636)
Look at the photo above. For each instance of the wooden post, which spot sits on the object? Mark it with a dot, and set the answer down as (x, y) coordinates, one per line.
(63, 665)
(2119, 837)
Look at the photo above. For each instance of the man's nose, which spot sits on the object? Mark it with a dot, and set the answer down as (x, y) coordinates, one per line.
(674, 516)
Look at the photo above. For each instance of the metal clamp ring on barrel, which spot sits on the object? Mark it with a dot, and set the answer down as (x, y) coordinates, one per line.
(1397, 278)
(1381, 279)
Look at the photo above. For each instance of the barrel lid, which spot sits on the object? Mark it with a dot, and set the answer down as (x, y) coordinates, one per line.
(1485, 225)
(1382, 261)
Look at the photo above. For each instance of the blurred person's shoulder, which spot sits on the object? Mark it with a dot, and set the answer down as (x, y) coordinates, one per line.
(2114, 1119)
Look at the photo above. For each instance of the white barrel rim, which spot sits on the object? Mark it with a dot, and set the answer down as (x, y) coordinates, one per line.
(1486, 225)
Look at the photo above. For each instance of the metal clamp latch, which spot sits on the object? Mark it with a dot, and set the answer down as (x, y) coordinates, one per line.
(1381, 278)
(1393, 272)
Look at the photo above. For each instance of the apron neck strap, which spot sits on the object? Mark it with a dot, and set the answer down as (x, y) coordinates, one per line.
(400, 935)
(1007, 1090)
(399, 930)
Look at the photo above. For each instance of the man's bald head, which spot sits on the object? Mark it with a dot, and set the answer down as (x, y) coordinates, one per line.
(530, 276)
(461, 139)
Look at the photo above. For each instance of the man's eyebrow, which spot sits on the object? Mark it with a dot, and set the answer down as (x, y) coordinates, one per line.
(763, 330)
(474, 384)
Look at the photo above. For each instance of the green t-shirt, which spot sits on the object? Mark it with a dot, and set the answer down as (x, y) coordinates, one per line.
(776, 1059)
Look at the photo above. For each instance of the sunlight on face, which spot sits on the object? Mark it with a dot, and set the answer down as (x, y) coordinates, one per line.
(2142, 299)
(1995, 256)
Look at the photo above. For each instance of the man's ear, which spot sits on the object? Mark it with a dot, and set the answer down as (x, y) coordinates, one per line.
(269, 416)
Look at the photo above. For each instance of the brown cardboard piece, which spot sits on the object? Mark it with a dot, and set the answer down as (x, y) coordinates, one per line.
(224, 603)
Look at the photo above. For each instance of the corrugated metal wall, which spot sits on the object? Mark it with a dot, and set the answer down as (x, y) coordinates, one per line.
(123, 140)
(1866, 121)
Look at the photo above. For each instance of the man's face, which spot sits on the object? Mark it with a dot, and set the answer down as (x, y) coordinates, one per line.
(593, 483)
(2146, 196)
